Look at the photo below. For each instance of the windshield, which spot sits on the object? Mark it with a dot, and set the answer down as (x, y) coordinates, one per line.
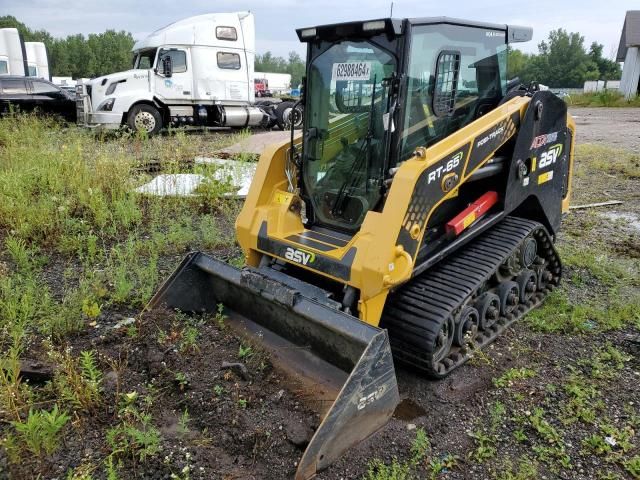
(345, 138)
(144, 60)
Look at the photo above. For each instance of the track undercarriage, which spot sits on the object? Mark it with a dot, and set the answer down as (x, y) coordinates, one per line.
(437, 320)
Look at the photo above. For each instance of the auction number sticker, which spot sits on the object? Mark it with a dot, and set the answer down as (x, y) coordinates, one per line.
(351, 71)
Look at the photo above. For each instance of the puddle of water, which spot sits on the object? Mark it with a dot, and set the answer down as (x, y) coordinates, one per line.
(407, 410)
(632, 220)
(239, 174)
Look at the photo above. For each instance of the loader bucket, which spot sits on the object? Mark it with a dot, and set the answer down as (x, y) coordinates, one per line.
(327, 342)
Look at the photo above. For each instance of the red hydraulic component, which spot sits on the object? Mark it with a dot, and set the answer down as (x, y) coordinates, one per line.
(470, 214)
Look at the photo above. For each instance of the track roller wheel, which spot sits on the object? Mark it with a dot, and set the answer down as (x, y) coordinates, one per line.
(528, 252)
(544, 277)
(442, 343)
(467, 326)
(509, 294)
(488, 307)
(527, 282)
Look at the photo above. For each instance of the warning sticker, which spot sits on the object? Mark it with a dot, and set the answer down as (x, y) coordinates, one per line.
(351, 71)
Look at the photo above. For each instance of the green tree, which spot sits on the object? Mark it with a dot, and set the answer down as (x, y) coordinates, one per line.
(563, 60)
(296, 68)
(518, 64)
(77, 56)
(609, 70)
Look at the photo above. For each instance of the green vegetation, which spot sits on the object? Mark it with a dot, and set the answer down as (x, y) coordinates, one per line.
(40, 432)
(77, 56)
(563, 61)
(75, 242)
(609, 160)
(605, 98)
(512, 375)
(398, 470)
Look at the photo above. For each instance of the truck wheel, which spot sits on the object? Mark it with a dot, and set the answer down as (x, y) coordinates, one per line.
(285, 114)
(145, 117)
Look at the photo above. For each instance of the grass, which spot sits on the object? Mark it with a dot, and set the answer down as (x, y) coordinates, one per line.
(605, 98)
(613, 161)
(76, 242)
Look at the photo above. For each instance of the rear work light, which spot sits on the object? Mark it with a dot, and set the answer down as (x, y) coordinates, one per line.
(373, 26)
(308, 33)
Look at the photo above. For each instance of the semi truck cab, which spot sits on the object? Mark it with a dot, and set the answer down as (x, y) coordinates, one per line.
(197, 71)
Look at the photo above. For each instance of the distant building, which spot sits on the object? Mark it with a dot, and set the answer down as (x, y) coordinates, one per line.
(629, 53)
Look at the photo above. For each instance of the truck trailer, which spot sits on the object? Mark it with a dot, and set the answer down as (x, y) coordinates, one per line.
(195, 72)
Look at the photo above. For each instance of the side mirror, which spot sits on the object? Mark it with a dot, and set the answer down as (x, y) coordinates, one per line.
(167, 68)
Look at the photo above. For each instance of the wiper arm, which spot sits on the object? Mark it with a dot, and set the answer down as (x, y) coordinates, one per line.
(352, 181)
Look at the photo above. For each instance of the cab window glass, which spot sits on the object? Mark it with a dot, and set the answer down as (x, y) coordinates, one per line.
(145, 59)
(4, 67)
(226, 33)
(14, 87)
(178, 60)
(40, 88)
(456, 74)
(228, 61)
(33, 71)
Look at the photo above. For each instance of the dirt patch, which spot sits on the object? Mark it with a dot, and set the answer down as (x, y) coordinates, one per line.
(239, 422)
(615, 127)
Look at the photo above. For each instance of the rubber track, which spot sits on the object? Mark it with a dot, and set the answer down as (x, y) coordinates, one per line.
(415, 313)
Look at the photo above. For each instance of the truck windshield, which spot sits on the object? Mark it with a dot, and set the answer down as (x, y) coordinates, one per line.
(346, 127)
(144, 59)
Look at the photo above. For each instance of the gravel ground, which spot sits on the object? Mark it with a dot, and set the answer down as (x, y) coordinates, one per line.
(614, 127)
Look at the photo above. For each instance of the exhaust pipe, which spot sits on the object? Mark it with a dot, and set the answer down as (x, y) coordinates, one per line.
(283, 311)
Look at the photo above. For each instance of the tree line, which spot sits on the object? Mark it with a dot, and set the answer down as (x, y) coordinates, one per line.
(562, 60)
(78, 56)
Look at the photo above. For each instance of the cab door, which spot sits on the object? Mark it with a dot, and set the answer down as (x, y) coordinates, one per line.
(174, 75)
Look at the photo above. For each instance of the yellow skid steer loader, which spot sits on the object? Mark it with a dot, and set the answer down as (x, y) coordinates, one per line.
(412, 220)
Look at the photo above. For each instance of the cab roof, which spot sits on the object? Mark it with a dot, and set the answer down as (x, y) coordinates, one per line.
(395, 27)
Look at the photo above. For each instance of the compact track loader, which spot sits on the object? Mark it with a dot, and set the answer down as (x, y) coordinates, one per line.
(416, 214)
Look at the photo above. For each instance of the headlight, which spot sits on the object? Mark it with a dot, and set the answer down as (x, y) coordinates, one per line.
(111, 88)
(107, 105)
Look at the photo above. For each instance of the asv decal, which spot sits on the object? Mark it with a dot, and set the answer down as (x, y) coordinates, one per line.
(446, 168)
(299, 256)
(372, 397)
(550, 156)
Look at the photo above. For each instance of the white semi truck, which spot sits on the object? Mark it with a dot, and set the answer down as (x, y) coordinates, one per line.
(21, 58)
(12, 53)
(197, 71)
(37, 61)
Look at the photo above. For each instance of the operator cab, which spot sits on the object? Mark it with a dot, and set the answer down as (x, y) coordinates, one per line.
(378, 89)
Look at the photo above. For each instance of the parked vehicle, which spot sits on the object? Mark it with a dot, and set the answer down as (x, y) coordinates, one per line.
(24, 94)
(12, 54)
(197, 71)
(37, 61)
(277, 83)
(261, 87)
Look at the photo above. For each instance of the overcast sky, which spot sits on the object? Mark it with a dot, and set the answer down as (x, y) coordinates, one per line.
(596, 20)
